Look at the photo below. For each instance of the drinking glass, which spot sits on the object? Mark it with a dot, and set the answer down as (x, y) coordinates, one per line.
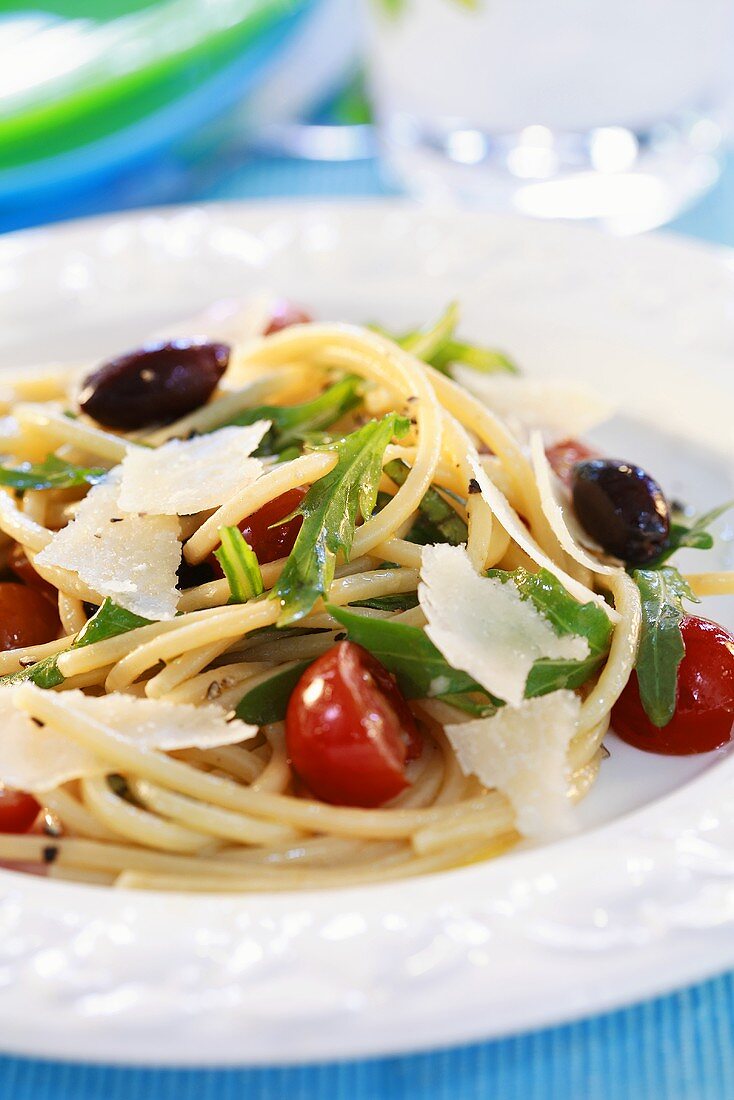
(603, 109)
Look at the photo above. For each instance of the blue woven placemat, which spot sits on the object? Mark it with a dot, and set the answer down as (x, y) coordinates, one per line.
(679, 1047)
(676, 1048)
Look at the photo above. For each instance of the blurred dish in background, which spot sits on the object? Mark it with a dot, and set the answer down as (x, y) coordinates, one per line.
(572, 109)
(174, 87)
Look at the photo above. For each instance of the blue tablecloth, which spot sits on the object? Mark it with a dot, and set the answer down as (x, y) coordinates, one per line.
(680, 1047)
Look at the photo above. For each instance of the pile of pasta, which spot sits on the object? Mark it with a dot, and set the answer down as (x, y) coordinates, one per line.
(135, 743)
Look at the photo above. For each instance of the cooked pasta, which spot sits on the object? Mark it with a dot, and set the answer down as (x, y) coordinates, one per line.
(391, 527)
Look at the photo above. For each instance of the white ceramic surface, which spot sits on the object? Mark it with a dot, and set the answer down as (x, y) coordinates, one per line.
(641, 901)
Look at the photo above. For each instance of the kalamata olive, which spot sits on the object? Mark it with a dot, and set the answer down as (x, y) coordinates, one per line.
(156, 384)
(622, 508)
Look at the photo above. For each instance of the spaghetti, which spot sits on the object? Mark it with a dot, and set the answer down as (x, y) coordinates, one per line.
(243, 816)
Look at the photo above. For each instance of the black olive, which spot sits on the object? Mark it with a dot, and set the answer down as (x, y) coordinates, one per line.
(622, 508)
(155, 384)
(191, 576)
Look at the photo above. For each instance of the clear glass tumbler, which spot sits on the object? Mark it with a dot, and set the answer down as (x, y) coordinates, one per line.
(603, 109)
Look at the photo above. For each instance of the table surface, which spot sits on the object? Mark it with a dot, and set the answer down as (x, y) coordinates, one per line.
(675, 1048)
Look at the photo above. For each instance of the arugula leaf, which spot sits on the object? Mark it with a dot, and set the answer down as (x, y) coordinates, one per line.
(268, 701)
(240, 565)
(695, 537)
(45, 674)
(401, 601)
(439, 346)
(483, 360)
(661, 641)
(427, 343)
(421, 670)
(290, 423)
(52, 473)
(107, 622)
(567, 616)
(438, 521)
(330, 510)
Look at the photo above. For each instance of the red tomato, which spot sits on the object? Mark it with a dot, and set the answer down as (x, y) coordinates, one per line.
(284, 315)
(704, 711)
(27, 617)
(349, 730)
(271, 542)
(564, 455)
(19, 563)
(18, 811)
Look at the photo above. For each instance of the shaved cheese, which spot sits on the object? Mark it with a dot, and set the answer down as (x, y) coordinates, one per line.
(34, 758)
(484, 627)
(228, 319)
(524, 754)
(132, 559)
(559, 408)
(517, 531)
(560, 519)
(186, 476)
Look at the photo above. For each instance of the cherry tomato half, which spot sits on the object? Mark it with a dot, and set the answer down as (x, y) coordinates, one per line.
(18, 811)
(704, 711)
(284, 315)
(564, 455)
(349, 731)
(271, 542)
(27, 617)
(20, 564)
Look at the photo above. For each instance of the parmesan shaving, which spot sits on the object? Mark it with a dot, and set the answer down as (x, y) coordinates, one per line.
(517, 531)
(133, 559)
(39, 758)
(560, 519)
(524, 754)
(483, 626)
(186, 476)
(228, 319)
(559, 408)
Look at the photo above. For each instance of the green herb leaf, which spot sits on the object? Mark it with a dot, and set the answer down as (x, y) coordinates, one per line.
(438, 521)
(108, 621)
(428, 343)
(401, 601)
(291, 423)
(567, 616)
(268, 701)
(330, 510)
(695, 537)
(52, 473)
(421, 670)
(240, 565)
(439, 346)
(481, 359)
(661, 641)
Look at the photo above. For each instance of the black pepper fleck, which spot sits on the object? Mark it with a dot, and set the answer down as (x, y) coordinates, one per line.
(474, 486)
(50, 852)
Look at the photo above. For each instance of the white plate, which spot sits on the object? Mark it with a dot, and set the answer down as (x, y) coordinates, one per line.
(640, 902)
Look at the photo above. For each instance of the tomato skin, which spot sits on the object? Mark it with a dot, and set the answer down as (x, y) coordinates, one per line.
(268, 542)
(18, 811)
(704, 713)
(27, 617)
(349, 731)
(284, 315)
(564, 455)
(20, 564)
